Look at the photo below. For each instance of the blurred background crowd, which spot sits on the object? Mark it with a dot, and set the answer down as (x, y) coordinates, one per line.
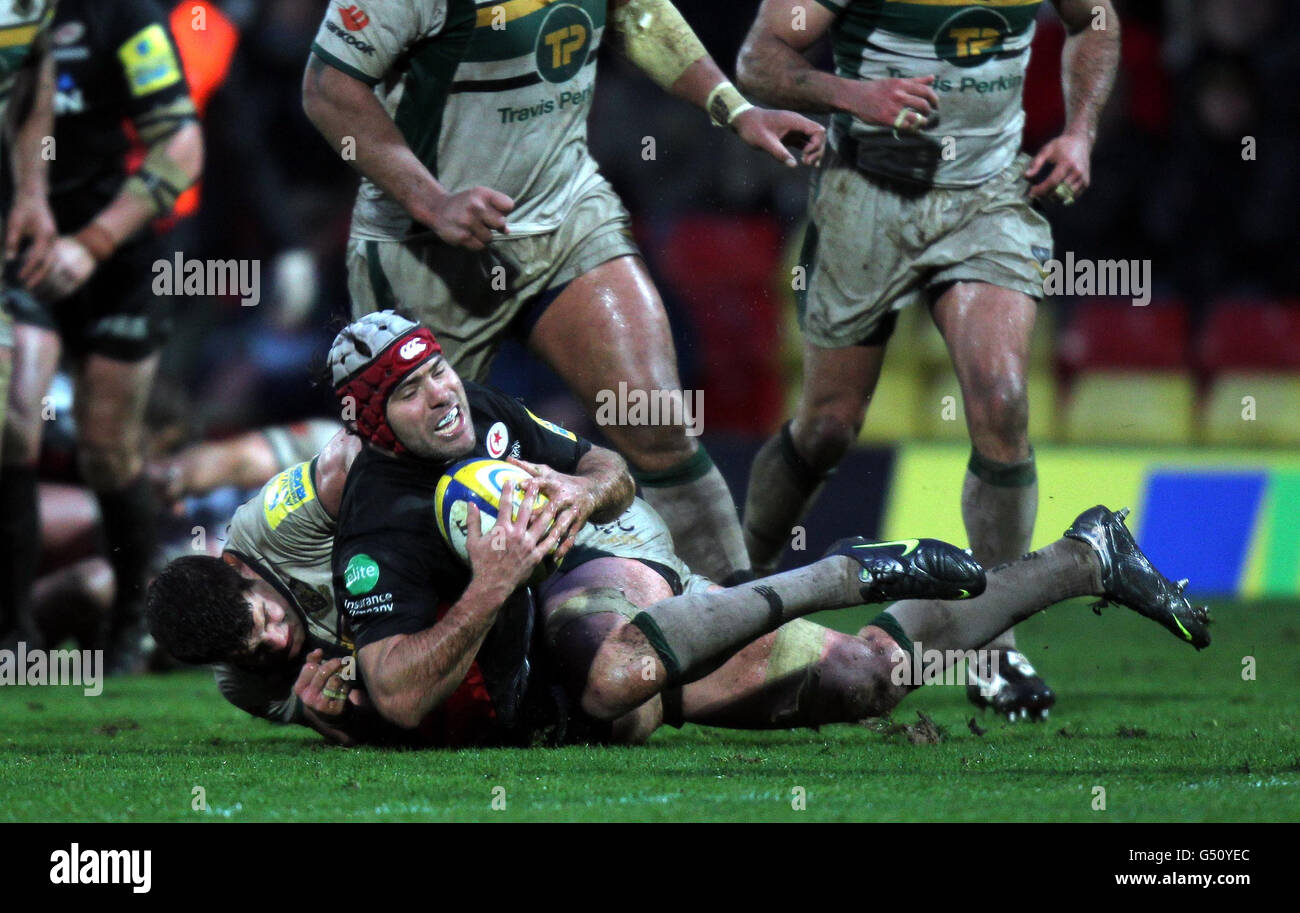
(719, 224)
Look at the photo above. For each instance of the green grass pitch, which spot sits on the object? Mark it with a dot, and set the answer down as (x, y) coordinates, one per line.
(1169, 734)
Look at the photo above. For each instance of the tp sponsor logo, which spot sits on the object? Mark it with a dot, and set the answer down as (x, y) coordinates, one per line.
(563, 42)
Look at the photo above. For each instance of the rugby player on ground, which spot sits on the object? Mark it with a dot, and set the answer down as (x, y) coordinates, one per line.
(264, 611)
(116, 64)
(627, 637)
(201, 485)
(484, 674)
(922, 197)
(482, 209)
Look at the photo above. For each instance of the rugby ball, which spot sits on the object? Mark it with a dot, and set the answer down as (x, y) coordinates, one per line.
(478, 482)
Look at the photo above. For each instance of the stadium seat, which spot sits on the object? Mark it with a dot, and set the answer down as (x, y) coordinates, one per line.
(942, 420)
(1043, 343)
(941, 415)
(1130, 407)
(1043, 404)
(893, 413)
(924, 338)
(1251, 336)
(724, 269)
(1114, 334)
(791, 337)
(916, 328)
(1253, 410)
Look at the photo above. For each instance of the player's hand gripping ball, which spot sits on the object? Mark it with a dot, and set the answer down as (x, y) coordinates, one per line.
(479, 481)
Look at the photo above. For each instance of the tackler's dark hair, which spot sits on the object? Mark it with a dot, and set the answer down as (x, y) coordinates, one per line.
(197, 610)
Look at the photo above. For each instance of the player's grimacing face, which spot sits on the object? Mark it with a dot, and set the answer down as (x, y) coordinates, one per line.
(278, 632)
(429, 412)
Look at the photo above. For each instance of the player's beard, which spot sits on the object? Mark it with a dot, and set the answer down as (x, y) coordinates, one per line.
(430, 446)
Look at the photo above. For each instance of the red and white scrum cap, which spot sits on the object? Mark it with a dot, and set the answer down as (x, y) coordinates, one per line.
(368, 359)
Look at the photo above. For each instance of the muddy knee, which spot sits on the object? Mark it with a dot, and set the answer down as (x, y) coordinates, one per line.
(588, 632)
(822, 439)
(830, 677)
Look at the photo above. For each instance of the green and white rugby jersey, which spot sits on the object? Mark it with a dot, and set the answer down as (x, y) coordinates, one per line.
(285, 535)
(978, 53)
(493, 94)
(21, 21)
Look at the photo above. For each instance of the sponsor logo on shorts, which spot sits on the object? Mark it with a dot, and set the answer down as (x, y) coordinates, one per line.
(1109, 278)
(121, 326)
(354, 18)
(77, 866)
(498, 438)
(352, 40)
(361, 575)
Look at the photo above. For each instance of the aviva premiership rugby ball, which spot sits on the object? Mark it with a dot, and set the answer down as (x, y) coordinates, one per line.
(478, 482)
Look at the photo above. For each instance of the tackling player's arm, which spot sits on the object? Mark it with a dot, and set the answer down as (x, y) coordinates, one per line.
(336, 724)
(772, 68)
(1089, 61)
(658, 41)
(348, 114)
(263, 693)
(166, 122)
(30, 128)
(585, 482)
(332, 469)
(408, 675)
